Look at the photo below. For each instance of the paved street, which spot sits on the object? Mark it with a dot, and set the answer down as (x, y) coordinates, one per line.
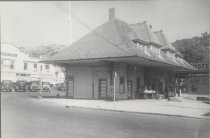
(26, 117)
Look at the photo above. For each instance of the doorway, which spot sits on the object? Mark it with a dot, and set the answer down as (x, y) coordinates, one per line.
(102, 88)
(70, 86)
(130, 89)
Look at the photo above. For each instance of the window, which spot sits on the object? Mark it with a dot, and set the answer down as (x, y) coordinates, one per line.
(158, 52)
(25, 66)
(145, 49)
(11, 64)
(203, 66)
(207, 66)
(35, 67)
(17, 74)
(2, 61)
(154, 50)
(142, 47)
(199, 66)
(137, 44)
(122, 85)
(56, 74)
(47, 68)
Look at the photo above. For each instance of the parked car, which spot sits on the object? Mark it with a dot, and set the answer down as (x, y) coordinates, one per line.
(34, 86)
(60, 87)
(6, 86)
(46, 87)
(20, 86)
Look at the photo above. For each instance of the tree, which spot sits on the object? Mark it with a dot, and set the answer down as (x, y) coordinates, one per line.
(195, 49)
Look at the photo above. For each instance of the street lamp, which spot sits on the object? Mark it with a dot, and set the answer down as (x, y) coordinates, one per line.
(40, 91)
(115, 76)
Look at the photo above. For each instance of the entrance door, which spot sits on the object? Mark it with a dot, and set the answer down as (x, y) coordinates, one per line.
(130, 89)
(70, 86)
(166, 87)
(102, 88)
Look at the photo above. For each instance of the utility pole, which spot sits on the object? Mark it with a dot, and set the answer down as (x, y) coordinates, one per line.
(40, 91)
(115, 76)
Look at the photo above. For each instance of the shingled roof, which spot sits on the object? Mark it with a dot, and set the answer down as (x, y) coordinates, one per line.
(144, 32)
(113, 39)
(166, 45)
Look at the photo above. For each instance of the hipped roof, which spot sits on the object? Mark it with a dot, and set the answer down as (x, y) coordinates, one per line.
(110, 40)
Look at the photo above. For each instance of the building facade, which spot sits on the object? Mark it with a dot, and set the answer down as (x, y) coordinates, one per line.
(17, 65)
(198, 83)
(121, 61)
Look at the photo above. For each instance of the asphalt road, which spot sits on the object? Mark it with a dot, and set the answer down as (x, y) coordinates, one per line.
(25, 117)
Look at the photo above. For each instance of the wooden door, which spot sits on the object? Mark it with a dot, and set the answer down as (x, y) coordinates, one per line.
(70, 86)
(130, 89)
(102, 88)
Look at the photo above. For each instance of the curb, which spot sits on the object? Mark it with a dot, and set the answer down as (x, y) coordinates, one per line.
(110, 110)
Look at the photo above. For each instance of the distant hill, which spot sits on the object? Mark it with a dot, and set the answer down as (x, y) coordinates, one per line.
(48, 50)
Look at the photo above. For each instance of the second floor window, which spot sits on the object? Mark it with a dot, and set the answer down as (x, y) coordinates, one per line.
(47, 68)
(11, 64)
(56, 74)
(25, 66)
(35, 67)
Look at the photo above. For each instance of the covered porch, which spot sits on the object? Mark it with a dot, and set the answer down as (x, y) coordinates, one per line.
(96, 79)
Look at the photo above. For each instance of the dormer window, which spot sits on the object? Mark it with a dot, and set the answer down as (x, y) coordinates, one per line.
(159, 52)
(140, 46)
(145, 50)
(137, 44)
(154, 50)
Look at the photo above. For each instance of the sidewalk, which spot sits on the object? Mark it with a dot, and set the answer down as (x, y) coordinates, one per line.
(193, 96)
(186, 108)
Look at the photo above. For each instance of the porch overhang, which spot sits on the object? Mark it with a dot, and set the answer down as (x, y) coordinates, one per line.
(135, 60)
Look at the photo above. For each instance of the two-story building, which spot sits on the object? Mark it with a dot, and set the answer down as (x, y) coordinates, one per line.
(17, 65)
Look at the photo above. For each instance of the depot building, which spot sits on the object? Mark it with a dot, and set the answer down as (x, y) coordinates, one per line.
(121, 57)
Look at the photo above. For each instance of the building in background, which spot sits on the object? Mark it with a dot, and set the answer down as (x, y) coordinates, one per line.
(17, 65)
(198, 83)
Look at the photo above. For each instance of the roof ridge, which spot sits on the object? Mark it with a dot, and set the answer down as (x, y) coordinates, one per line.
(139, 23)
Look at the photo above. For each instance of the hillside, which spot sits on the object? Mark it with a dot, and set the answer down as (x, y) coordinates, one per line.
(47, 50)
(195, 49)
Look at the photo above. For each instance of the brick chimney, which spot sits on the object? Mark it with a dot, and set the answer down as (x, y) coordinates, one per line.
(111, 13)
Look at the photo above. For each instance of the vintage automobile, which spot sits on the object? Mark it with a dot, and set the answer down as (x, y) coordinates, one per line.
(6, 86)
(34, 86)
(46, 87)
(20, 86)
(60, 87)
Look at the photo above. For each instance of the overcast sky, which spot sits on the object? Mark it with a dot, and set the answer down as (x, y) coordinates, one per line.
(31, 24)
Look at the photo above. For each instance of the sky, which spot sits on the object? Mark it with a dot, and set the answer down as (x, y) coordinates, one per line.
(33, 24)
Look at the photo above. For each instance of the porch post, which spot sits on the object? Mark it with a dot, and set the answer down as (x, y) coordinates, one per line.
(66, 81)
(179, 86)
(111, 78)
